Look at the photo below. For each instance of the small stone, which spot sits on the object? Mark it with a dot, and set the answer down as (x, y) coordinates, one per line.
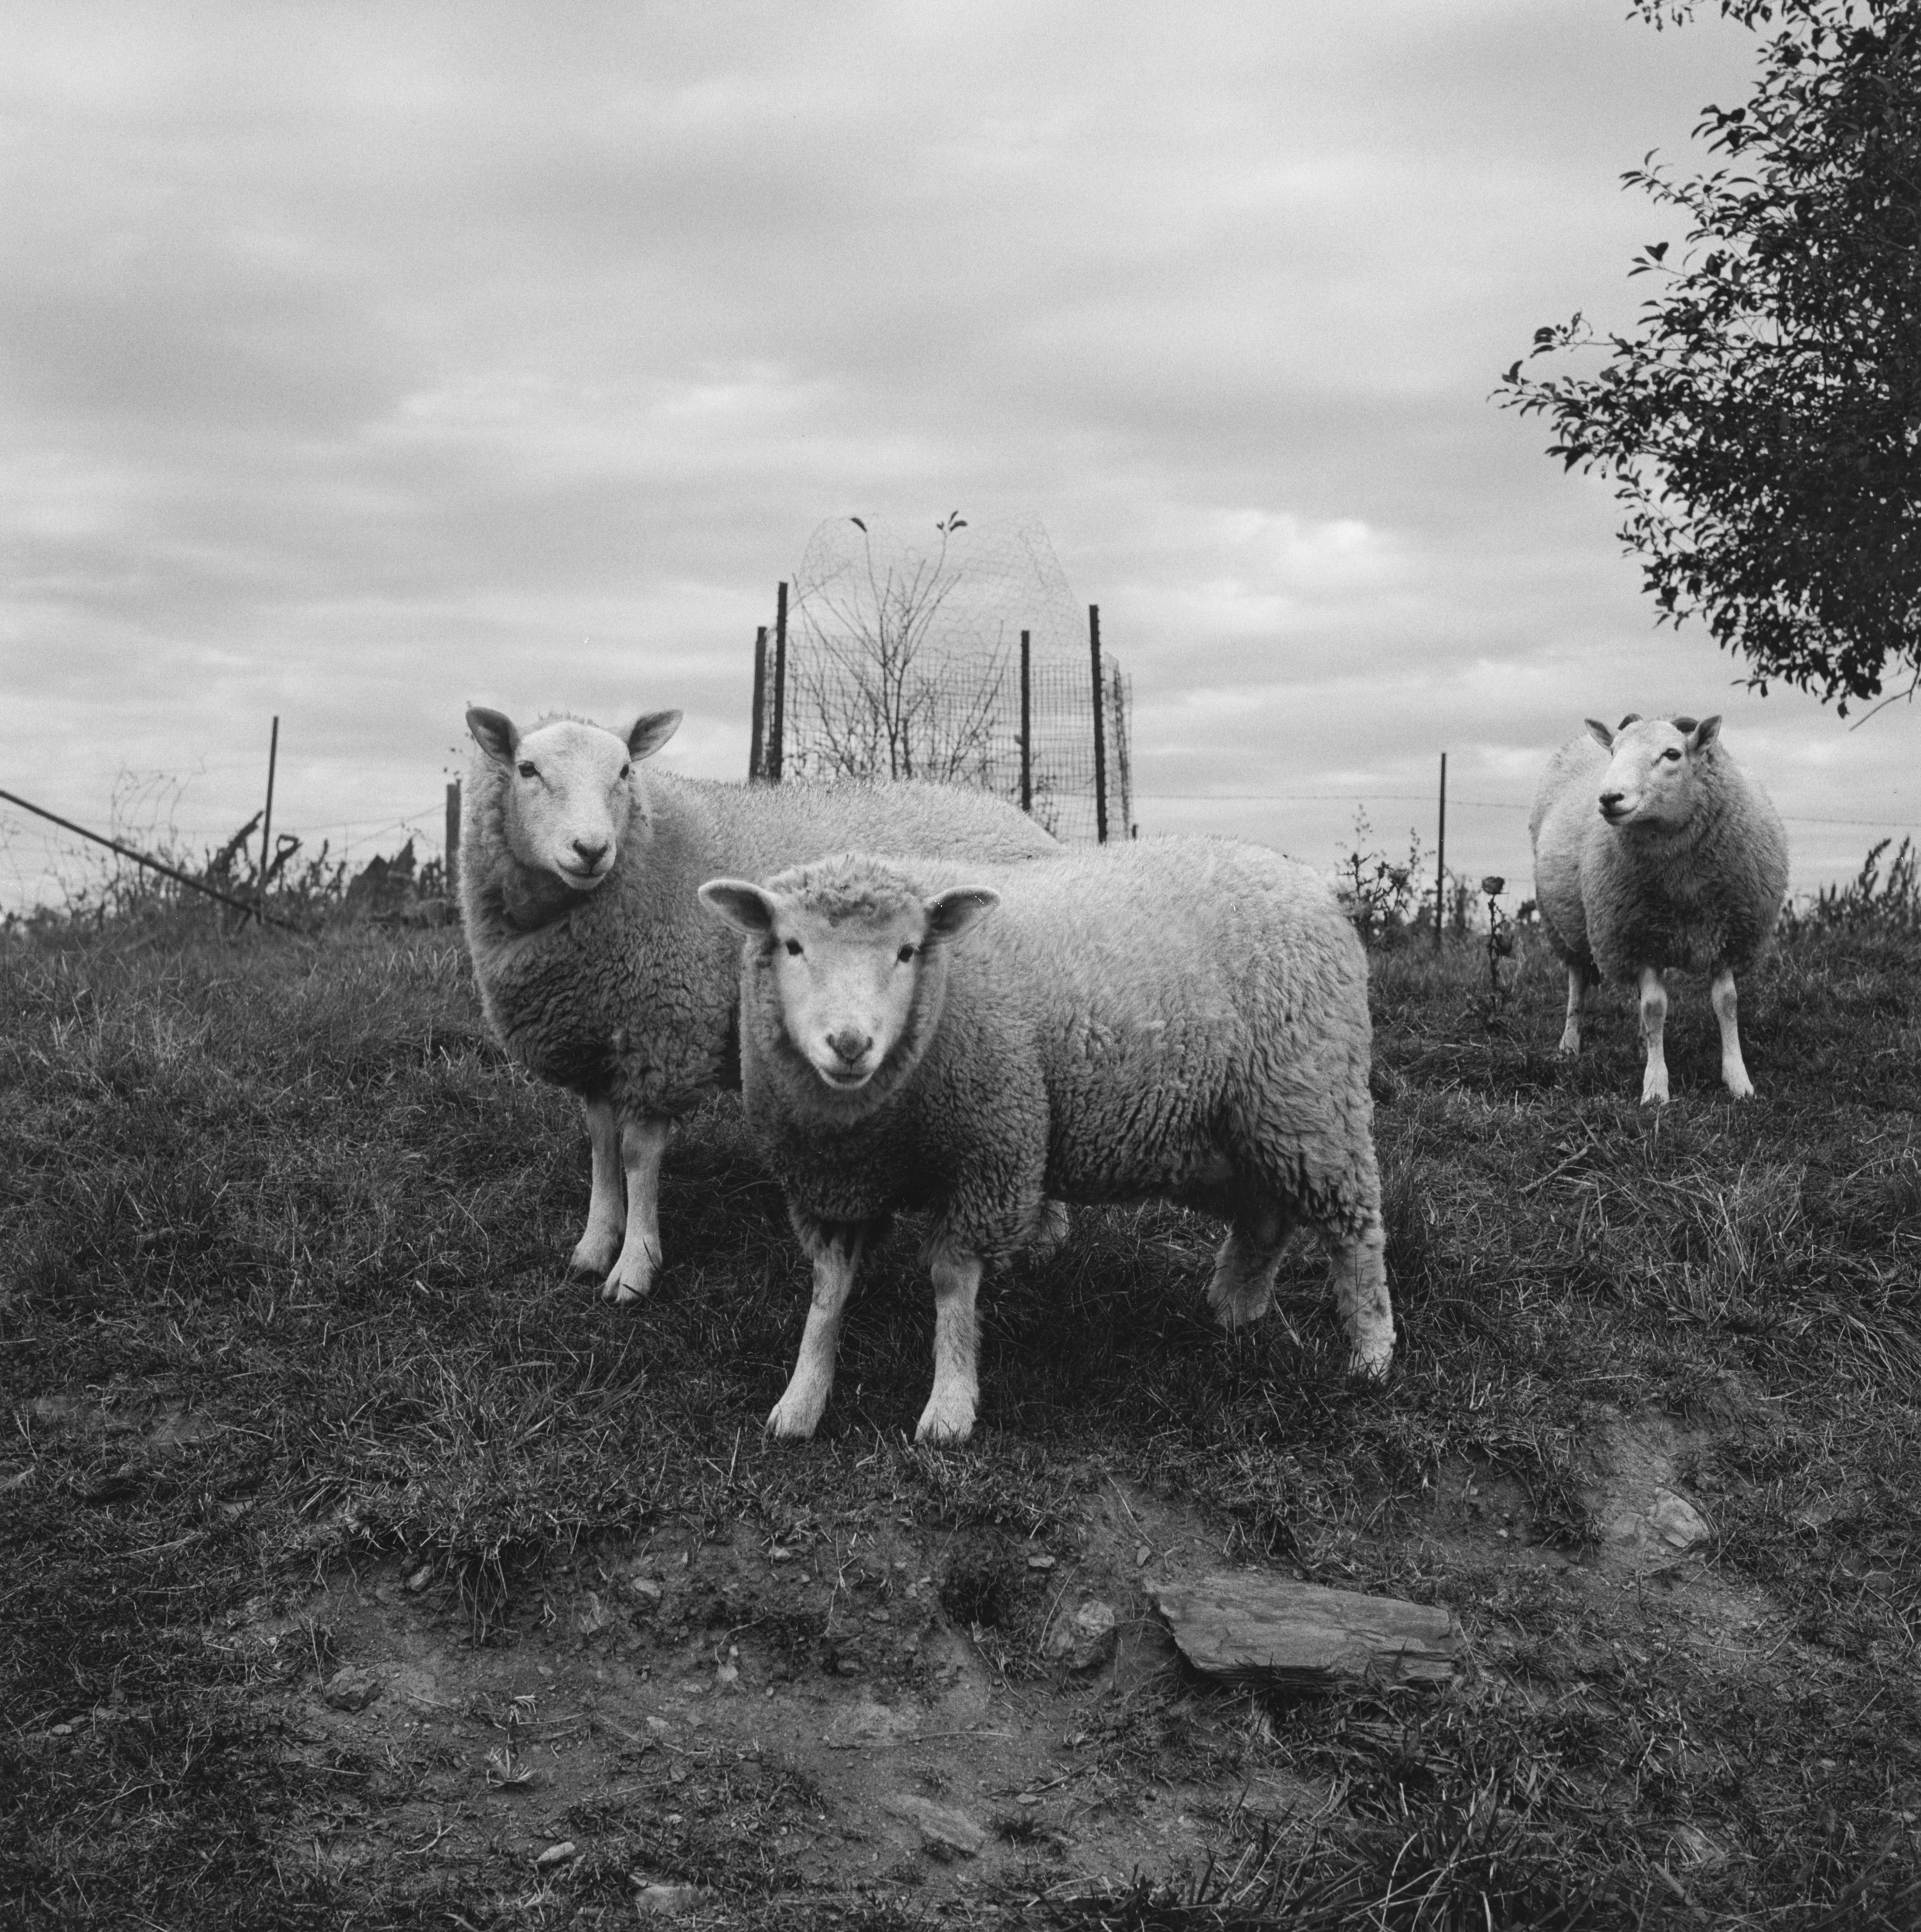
(351, 1687)
(645, 1589)
(1676, 1522)
(1040, 1563)
(1086, 1639)
(557, 1854)
(1143, 1555)
(420, 1579)
(665, 1900)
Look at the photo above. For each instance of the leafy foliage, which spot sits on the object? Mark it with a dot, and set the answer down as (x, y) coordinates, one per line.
(1762, 424)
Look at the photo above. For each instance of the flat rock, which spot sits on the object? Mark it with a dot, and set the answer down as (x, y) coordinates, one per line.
(938, 1824)
(1244, 1625)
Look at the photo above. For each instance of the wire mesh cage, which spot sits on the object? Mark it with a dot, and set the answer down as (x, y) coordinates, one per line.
(959, 659)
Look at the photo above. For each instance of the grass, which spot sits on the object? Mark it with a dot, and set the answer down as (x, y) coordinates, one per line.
(280, 1301)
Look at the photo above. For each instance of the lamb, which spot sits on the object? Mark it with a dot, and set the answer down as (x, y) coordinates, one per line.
(597, 970)
(1185, 1018)
(1662, 855)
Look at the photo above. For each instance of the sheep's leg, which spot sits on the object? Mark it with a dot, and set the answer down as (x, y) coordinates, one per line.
(836, 1256)
(643, 1147)
(606, 1205)
(1734, 1071)
(1654, 1022)
(1577, 994)
(1245, 1268)
(1359, 1279)
(949, 1415)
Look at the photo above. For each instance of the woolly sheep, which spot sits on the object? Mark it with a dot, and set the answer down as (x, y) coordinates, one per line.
(597, 970)
(1653, 851)
(1185, 1017)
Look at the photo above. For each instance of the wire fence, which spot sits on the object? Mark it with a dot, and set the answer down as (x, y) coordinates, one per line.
(959, 659)
(965, 726)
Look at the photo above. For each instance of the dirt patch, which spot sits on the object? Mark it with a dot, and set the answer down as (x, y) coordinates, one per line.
(736, 1713)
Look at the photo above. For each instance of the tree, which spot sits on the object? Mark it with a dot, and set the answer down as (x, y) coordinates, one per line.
(1763, 422)
(887, 699)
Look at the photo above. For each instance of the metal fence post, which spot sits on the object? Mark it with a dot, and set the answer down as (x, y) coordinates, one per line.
(1441, 858)
(453, 863)
(266, 821)
(778, 745)
(1027, 724)
(1100, 727)
(757, 740)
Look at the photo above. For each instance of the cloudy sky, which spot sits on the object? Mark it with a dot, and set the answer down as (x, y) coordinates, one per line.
(366, 361)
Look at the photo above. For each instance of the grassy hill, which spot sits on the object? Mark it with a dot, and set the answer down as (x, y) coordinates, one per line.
(293, 1383)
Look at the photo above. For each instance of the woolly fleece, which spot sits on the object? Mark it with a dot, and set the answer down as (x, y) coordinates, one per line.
(1701, 896)
(627, 994)
(1184, 1017)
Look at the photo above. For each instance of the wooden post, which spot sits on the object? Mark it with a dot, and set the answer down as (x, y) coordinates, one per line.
(1027, 725)
(1441, 858)
(757, 733)
(778, 745)
(452, 865)
(266, 820)
(1100, 727)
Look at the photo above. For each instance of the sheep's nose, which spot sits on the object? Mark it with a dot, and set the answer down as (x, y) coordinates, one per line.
(850, 1044)
(590, 854)
(1610, 802)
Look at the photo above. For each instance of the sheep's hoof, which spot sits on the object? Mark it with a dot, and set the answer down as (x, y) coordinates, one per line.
(618, 1290)
(1570, 1047)
(1653, 1093)
(591, 1260)
(945, 1425)
(1741, 1089)
(790, 1421)
(1370, 1361)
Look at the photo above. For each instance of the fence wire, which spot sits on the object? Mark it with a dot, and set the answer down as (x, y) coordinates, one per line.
(903, 660)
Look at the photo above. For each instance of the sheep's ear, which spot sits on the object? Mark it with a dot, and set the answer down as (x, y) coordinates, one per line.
(495, 732)
(1632, 717)
(1600, 734)
(740, 903)
(951, 912)
(1705, 733)
(652, 731)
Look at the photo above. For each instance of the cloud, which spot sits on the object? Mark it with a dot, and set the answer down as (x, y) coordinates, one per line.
(372, 360)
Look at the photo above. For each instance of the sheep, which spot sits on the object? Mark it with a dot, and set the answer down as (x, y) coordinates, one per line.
(1662, 854)
(596, 969)
(1185, 1018)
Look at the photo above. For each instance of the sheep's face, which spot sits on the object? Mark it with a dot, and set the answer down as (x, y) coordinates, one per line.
(1650, 771)
(571, 789)
(844, 980)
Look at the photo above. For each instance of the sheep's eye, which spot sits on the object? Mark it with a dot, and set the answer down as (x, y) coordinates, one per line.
(527, 769)
(905, 954)
(793, 947)
(1671, 753)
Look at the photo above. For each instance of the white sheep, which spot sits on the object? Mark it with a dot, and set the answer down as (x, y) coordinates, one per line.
(597, 970)
(1184, 1017)
(1652, 851)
